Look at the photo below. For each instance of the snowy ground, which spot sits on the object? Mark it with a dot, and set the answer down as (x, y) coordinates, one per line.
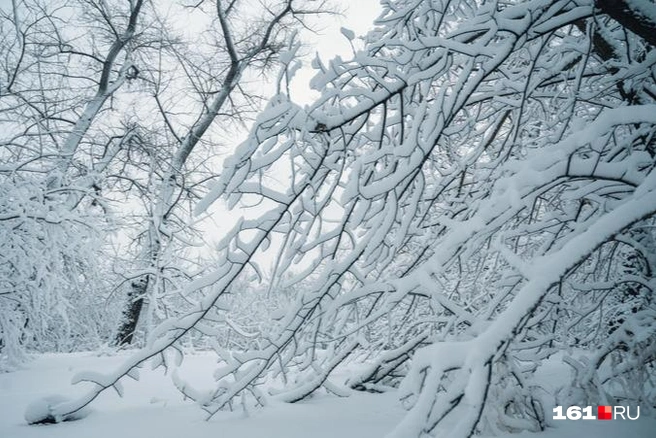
(153, 408)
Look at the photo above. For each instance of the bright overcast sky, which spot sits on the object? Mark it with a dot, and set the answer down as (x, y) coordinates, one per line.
(358, 16)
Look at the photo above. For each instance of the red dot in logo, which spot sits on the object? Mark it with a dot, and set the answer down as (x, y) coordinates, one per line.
(604, 412)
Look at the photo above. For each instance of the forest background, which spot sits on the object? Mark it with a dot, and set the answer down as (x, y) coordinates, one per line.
(469, 194)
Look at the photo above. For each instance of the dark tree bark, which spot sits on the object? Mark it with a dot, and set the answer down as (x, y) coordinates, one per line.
(638, 17)
(128, 326)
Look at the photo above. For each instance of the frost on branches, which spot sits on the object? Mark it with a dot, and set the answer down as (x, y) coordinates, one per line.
(53, 274)
(473, 193)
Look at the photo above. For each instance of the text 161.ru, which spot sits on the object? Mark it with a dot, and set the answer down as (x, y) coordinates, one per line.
(603, 413)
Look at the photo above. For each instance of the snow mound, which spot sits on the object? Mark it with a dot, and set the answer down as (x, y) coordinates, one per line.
(42, 411)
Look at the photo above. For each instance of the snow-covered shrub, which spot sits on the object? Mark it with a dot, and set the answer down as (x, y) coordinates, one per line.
(51, 263)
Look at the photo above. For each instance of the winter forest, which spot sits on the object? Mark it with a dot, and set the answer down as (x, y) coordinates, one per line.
(456, 230)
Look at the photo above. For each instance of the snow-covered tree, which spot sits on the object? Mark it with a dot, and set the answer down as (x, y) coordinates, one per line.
(55, 84)
(105, 112)
(199, 86)
(473, 194)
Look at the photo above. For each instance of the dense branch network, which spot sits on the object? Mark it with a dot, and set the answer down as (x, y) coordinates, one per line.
(469, 197)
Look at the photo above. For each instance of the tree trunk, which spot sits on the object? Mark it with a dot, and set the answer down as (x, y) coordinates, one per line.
(136, 296)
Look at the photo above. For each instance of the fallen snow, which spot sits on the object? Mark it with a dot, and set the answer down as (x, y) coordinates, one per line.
(153, 408)
(40, 411)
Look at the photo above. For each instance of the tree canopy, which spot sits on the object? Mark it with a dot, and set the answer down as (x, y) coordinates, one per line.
(472, 195)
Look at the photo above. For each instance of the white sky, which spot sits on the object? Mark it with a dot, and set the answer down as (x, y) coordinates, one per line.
(329, 42)
(358, 16)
